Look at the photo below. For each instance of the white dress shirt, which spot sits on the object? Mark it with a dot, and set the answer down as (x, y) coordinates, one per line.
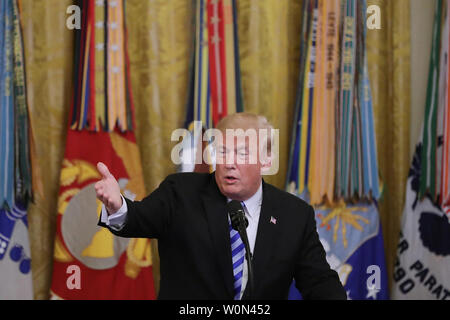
(116, 220)
(252, 211)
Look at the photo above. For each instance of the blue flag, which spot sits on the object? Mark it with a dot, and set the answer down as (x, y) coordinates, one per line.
(348, 222)
(353, 241)
(15, 261)
(15, 258)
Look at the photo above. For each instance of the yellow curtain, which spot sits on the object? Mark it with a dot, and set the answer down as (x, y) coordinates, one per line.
(160, 41)
(49, 59)
(269, 45)
(389, 68)
(160, 45)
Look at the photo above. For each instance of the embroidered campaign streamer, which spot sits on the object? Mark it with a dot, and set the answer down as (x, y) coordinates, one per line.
(215, 87)
(116, 65)
(23, 180)
(295, 149)
(317, 114)
(202, 100)
(372, 185)
(237, 64)
(331, 30)
(7, 186)
(100, 63)
(88, 70)
(223, 59)
(356, 184)
(312, 160)
(102, 97)
(78, 71)
(307, 103)
(230, 74)
(345, 111)
(428, 156)
(333, 152)
(216, 34)
(356, 165)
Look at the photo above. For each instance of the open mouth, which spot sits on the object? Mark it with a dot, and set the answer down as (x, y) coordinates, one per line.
(230, 179)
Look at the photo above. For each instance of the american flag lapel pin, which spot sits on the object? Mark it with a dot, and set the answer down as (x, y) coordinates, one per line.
(273, 220)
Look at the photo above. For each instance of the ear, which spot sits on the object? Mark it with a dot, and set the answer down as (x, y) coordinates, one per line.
(266, 164)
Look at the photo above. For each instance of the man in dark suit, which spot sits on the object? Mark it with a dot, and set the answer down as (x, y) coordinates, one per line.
(201, 256)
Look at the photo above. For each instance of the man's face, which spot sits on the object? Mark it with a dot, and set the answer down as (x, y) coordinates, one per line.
(238, 170)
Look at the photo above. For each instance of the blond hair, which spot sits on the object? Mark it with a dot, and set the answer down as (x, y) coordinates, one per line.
(245, 121)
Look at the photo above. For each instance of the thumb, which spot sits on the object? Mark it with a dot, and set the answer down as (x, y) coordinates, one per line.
(103, 169)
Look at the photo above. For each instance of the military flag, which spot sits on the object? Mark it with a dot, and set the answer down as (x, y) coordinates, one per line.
(333, 159)
(90, 262)
(16, 183)
(215, 81)
(423, 252)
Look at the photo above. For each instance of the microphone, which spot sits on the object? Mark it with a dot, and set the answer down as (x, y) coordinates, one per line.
(240, 223)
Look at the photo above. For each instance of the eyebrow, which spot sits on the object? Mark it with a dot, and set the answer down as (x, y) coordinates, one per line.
(223, 147)
(246, 148)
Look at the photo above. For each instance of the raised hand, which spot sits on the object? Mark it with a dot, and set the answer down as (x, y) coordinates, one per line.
(108, 190)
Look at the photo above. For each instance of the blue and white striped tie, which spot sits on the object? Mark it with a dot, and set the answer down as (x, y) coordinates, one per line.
(238, 255)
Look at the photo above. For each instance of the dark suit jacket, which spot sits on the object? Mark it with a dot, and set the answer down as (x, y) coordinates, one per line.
(188, 215)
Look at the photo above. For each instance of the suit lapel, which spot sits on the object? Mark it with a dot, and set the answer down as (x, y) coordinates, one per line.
(216, 214)
(267, 235)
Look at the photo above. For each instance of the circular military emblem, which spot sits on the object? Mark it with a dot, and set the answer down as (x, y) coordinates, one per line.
(94, 246)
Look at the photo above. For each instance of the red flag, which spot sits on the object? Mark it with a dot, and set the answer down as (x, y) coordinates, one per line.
(89, 261)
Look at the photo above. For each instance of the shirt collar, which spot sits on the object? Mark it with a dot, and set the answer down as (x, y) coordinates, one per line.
(254, 202)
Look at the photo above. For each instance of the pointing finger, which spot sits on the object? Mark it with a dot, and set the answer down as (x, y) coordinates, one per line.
(103, 170)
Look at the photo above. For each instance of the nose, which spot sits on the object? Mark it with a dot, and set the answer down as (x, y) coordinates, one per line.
(230, 166)
(230, 162)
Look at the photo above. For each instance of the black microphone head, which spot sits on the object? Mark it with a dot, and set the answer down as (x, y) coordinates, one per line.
(234, 206)
(237, 215)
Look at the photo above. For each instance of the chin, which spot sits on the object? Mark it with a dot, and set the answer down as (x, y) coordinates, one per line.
(231, 192)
